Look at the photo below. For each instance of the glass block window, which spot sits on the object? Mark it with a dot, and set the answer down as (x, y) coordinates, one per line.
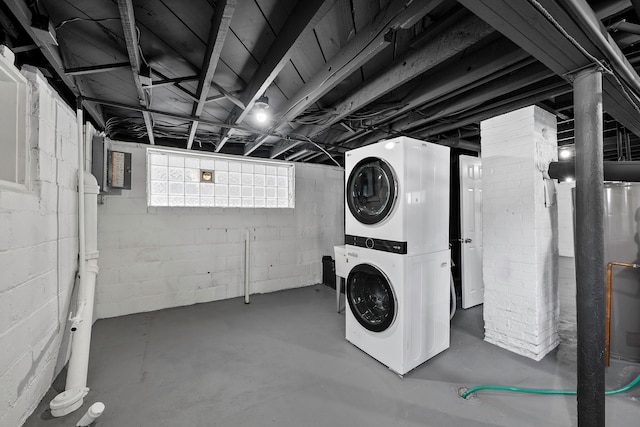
(177, 178)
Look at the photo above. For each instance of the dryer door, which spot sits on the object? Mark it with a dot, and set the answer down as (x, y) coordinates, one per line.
(371, 190)
(371, 297)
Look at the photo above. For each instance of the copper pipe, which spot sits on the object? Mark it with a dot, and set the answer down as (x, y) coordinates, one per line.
(610, 265)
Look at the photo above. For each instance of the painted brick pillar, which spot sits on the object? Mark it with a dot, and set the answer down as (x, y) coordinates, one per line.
(520, 248)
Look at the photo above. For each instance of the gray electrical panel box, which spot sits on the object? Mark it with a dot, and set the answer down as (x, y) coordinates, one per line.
(112, 169)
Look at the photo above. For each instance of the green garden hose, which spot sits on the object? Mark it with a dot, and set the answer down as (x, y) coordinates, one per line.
(464, 392)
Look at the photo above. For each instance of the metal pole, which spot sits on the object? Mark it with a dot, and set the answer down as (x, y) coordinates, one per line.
(589, 246)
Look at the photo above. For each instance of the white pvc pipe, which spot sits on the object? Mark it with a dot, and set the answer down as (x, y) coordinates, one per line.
(81, 341)
(76, 386)
(90, 416)
(247, 266)
(81, 225)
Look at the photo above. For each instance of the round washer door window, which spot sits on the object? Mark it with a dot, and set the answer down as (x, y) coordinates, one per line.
(371, 298)
(371, 190)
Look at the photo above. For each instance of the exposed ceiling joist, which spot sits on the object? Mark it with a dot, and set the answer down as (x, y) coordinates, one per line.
(522, 100)
(220, 23)
(525, 25)
(369, 41)
(166, 82)
(304, 17)
(128, 19)
(95, 69)
(469, 71)
(52, 55)
(496, 89)
(230, 96)
(461, 35)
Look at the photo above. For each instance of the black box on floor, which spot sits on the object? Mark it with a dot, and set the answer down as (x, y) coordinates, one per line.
(328, 271)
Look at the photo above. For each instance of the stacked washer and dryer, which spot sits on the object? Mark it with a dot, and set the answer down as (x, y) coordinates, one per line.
(397, 245)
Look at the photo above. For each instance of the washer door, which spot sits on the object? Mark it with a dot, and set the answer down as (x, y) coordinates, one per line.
(371, 298)
(371, 190)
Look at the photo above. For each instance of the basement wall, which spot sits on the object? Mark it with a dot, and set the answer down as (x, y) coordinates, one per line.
(158, 257)
(567, 325)
(38, 253)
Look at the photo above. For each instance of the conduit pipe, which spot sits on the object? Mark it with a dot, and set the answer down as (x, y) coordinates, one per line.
(607, 350)
(628, 171)
(625, 27)
(606, 45)
(247, 265)
(81, 323)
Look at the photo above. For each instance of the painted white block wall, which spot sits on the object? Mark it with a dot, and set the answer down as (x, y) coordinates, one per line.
(520, 263)
(568, 326)
(38, 252)
(157, 257)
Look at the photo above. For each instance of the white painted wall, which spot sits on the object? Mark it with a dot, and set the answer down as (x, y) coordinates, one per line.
(567, 327)
(38, 252)
(154, 258)
(520, 255)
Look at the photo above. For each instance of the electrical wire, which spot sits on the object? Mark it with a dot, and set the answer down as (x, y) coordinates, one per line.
(629, 94)
(321, 148)
(67, 21)
(464, 392)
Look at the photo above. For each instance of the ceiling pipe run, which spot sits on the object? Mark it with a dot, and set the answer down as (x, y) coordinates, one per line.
(613, 171)
(593, 28)
(625, 26)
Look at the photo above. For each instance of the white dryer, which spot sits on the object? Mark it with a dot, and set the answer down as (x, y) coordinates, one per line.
(397, 194)
(397, 308)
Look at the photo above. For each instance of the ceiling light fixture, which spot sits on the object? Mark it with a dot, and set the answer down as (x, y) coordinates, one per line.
(261, 105)
(565, 153)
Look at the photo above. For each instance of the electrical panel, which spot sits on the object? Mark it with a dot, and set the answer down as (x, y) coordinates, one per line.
(112, 169)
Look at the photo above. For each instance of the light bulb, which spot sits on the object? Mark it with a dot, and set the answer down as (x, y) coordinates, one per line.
(565, 153)
(261, 115)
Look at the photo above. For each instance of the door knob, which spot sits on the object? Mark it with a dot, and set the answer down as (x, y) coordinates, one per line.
(467, 240)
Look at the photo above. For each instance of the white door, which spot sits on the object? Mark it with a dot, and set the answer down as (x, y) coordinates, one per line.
(471, 231)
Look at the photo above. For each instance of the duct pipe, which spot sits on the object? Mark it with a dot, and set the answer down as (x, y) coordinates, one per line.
(589, 247)
(247, 266)
(625, 27)
(610, 50)
(463, 144)
(81, 323)
(613, 171)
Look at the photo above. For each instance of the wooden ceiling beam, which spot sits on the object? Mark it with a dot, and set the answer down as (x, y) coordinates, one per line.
(127, 17)
(459, 36)
(304, 16)
(525, 25)
(367, 43)
(52, 55)
(471, 70)
(220, 23)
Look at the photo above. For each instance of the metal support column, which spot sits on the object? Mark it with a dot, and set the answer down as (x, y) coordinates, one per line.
(589, 246)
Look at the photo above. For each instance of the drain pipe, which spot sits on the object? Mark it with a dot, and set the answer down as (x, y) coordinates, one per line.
(247, 265)
(76, 385)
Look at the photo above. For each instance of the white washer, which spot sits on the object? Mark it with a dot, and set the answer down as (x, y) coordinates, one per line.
(397, 308)
(397, 196)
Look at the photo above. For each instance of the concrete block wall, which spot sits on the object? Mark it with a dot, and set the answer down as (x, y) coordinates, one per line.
(520, 263)
(567, 326)
(38, 252)
(158, 257)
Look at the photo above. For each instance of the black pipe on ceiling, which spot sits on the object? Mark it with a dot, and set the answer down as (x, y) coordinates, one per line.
(613, 171)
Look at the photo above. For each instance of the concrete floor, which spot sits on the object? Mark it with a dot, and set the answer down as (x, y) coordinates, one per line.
(282, 360)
